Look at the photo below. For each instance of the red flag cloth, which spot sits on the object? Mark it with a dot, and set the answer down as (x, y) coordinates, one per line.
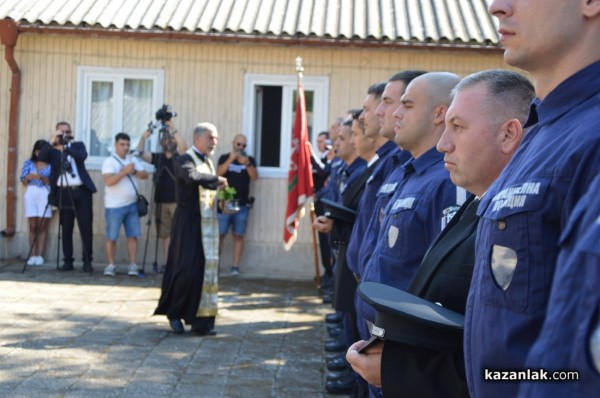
(300, 181)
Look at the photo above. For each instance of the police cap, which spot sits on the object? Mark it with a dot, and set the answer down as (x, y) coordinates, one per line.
(336, 211)
(409, 319)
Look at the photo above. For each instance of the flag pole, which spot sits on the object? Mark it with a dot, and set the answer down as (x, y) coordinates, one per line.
(314, 239)
(299, 71)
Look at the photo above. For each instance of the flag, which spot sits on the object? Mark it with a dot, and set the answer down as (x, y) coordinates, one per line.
(300, 182)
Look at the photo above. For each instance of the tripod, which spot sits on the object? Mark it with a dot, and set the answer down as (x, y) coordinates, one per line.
(65, 217)
(161, 168)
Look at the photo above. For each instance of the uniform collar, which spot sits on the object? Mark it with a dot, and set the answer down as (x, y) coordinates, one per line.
(354, 165)
(426, 160)
(566, 96)
(386, 148)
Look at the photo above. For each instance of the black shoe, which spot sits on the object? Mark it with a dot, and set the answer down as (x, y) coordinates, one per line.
(332, 356)
(66, 267)
(331, 326)
(337, 364)
(336, 317)
(335, 332)
(326, 281)
(87, 267)
(338, 375)
(326, 290)
(176, 325)
(335, 346)
(341, 386)
(204, 332)
(327, 299)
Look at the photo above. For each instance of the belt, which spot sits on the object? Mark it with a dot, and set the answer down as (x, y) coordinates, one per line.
(69, 187)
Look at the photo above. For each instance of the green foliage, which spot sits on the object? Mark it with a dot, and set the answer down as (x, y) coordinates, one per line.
(226, 194)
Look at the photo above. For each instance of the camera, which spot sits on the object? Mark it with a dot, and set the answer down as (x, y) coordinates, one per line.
(63, 139)
(243, 153)
(164, 114)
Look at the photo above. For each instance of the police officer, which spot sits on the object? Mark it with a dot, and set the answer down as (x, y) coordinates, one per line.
(570, 336)
(477, 146)
(525, 212)
(424, 191)
(382, 98)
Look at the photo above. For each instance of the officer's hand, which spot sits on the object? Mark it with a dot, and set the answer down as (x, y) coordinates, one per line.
(323, 224)
(367, 363)
(222, 183)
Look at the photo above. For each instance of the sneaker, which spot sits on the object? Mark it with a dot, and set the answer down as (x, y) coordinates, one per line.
(133, 270)
(235, 271)
(110, 270)
(32, 260)
(39, 261)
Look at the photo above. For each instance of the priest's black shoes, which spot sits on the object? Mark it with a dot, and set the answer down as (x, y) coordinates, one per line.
(176, 326)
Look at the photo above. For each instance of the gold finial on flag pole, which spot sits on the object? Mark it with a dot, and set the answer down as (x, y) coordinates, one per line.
(299, 67)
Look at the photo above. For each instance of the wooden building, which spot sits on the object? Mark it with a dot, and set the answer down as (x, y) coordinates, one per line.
(108, 65)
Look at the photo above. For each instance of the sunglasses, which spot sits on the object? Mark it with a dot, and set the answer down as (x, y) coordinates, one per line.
(241, 145)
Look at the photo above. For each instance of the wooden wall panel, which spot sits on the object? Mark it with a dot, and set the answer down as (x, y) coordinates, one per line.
(204, 82)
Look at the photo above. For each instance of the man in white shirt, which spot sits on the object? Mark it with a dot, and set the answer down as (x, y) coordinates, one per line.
(120, 172)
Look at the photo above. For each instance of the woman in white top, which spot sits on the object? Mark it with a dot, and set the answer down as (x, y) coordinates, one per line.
(34, 176)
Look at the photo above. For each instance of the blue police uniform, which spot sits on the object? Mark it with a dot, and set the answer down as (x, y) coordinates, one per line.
(348, 174)
(365, 206)
(412, 219)
(522, 217)
(331, 190)
(570, 337)
(383, 196)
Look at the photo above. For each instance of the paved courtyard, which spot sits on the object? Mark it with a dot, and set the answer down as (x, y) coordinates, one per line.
(75, 335)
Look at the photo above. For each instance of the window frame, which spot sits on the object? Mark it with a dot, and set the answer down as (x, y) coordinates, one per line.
(319, 85)
(86, 75)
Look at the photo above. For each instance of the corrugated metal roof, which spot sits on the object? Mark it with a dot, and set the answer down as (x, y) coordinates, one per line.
(407, 21)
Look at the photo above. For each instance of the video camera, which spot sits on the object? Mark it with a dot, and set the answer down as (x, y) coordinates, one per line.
(164, 114)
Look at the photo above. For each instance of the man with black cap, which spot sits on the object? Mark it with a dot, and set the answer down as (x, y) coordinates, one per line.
(483, 131)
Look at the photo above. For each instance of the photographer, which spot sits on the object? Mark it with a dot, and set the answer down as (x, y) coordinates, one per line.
(71, 190)
(239, 169)
(172, 144)
(121, 173)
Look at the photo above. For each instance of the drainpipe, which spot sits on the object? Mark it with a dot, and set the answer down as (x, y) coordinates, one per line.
(9, 34)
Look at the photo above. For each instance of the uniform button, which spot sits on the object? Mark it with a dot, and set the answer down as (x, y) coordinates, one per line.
(501, 225)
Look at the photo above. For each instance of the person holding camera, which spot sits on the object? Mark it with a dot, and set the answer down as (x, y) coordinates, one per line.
(239, 169)
(120, 172)
(172, 145)
(71, 190)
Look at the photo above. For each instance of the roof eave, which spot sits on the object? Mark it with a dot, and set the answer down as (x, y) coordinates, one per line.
(298, 40)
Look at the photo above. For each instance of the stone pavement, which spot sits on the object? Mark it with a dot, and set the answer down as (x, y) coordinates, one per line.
(69, 334)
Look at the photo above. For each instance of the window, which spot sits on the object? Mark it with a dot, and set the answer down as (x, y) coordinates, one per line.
(269, 106)
(111, 100)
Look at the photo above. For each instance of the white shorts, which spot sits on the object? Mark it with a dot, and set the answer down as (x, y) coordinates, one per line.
(36, 199)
